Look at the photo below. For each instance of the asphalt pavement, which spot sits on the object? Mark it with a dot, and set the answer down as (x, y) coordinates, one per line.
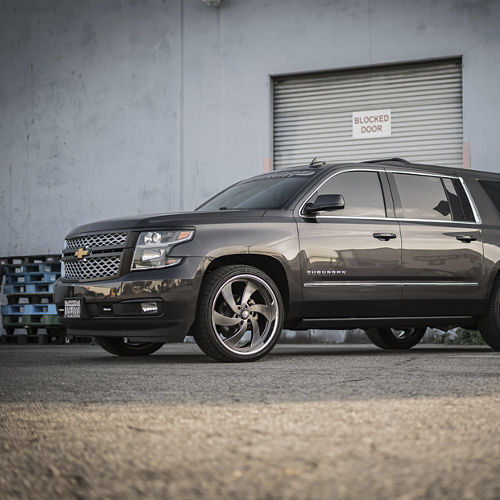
(306, 422)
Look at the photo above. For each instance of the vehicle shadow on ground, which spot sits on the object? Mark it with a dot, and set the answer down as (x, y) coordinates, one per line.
(284, 353)
(184, 375)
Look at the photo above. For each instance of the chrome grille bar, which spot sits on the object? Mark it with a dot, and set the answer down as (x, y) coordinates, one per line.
(97, 241)
(101, 267)
(93, 256)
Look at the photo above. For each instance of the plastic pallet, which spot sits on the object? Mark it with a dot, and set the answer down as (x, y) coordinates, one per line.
(30, 259)
(27, 320)
(31, 278)
(10, 269)
(28, 309)
(19, 321)
(40, 287)
(27, 298)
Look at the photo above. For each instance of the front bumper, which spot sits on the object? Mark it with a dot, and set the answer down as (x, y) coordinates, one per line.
(113, 307)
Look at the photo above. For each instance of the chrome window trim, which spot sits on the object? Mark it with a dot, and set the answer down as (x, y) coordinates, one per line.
(475, 211)
(388, 283)
(477, 218)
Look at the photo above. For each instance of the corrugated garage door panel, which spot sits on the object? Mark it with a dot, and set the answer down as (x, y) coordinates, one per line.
(313, 114)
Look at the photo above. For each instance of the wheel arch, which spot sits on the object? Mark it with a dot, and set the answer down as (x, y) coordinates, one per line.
(493, 277)
(270, 265)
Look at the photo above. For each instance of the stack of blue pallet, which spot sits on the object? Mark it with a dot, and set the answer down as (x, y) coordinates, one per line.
(28, 286)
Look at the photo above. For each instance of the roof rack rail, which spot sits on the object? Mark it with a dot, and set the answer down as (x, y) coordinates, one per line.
(316, 162)
(402, 160)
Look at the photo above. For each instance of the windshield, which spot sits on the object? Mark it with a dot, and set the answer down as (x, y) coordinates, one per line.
(266, 192)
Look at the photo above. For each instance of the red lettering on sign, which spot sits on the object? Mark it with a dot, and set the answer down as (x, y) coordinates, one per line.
(371, 128)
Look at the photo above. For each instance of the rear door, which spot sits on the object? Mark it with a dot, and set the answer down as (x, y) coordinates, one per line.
(442, 254)
(351, 258)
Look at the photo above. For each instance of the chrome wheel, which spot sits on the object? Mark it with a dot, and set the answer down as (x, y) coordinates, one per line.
(245, 314)
(403, 334)
(395, 338)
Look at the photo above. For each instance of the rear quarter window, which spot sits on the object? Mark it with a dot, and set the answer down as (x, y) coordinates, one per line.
(492, 189)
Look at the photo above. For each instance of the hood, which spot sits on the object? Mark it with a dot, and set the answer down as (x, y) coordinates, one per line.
(160, 221)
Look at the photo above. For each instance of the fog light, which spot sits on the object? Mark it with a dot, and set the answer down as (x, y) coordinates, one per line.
(149, 307)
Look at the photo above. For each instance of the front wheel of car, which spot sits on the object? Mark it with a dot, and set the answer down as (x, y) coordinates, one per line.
(240, 314)
(393, 338)
(121, 346)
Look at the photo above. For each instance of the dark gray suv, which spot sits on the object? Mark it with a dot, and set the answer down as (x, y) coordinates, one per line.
(388, 246)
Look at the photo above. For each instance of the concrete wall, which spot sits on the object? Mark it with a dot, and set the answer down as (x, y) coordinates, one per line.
(112, 107)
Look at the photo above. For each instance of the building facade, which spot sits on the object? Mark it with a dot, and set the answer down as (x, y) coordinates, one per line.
(117, 107)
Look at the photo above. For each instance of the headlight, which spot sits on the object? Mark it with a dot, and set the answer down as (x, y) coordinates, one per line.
(153, 247)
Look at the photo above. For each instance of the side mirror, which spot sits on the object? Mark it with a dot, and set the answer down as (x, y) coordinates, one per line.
(325, 202)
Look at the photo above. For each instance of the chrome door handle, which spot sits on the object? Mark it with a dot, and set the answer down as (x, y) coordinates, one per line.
(384, 236)
(466, 238)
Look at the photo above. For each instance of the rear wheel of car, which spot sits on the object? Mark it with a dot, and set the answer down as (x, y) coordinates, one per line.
(393, 338)
(489, 324)
(240, 314)
(121, 346)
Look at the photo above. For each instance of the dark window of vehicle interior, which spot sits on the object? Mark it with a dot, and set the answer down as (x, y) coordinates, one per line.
(453, 199)
(422, 197)
(466, 206)
(492, 189)
(362, 194)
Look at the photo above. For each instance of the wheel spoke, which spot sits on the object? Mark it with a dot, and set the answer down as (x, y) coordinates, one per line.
(255, 331)
(250, 288)
(220, 319)
(267, 311)
(232, 341)
(227, 293)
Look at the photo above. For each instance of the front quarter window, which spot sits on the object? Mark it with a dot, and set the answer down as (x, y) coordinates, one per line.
(362, 194)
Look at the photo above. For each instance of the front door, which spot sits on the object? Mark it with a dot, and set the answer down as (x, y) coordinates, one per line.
(351, 258)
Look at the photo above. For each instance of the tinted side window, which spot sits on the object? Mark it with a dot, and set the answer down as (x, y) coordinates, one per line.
(422, 197)
(459, 203)
(464, 199)
(362, 194)
(454, 200)
(492, 189)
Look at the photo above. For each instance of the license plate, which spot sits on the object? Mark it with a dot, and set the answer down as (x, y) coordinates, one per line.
(72, 308)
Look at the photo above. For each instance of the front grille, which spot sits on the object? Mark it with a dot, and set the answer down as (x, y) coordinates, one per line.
(97, 241)
(93, 256)
(100, 267)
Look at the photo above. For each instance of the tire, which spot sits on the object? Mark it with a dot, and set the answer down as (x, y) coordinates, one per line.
(391, 338)
(489, 324)
(240, 314)
(121, 347)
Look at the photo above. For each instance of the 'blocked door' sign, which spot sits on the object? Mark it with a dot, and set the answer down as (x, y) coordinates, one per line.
(368, 124)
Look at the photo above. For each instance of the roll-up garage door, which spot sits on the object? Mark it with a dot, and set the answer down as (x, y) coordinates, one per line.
(411, 111)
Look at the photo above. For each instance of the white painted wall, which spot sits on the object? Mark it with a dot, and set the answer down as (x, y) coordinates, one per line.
(115, 107)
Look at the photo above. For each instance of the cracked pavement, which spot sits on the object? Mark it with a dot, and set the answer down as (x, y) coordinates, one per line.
(317, 421)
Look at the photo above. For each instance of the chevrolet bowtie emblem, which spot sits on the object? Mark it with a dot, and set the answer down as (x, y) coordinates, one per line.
(81, 253)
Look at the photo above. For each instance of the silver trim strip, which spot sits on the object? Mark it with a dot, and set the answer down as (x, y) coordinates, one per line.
(428, 174)
(388, 283)
(441, 283)
(397, 219)
(394, 219)
(366, 319)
